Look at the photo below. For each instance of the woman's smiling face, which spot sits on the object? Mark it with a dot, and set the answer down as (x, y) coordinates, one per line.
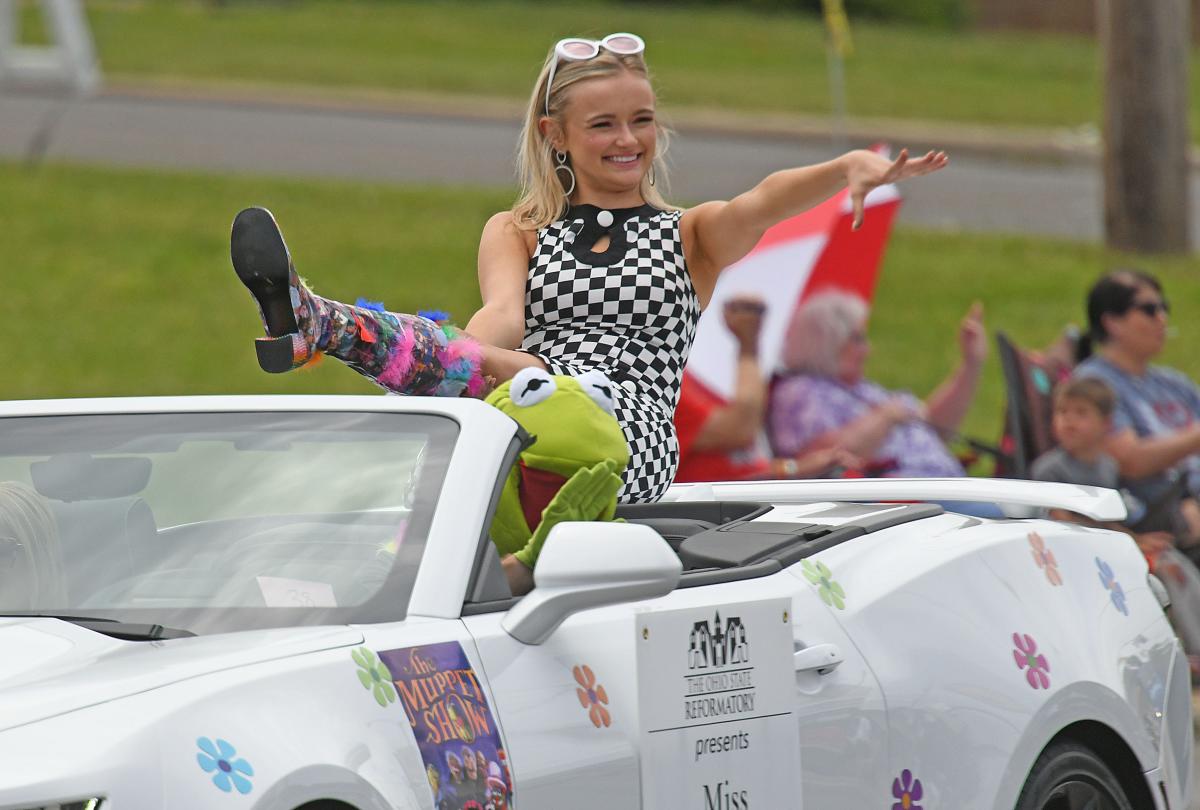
(609, 132)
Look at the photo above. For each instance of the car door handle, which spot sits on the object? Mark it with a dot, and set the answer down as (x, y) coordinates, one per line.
(821, 657)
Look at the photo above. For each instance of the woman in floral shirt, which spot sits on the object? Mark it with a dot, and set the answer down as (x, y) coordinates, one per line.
(824, 400)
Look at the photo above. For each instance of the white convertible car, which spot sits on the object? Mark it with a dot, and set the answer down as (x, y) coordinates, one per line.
(293, 603)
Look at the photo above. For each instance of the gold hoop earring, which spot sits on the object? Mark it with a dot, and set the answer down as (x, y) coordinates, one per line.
(562, 166)
(650, 174)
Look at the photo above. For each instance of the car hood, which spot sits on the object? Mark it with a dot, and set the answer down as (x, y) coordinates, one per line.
(50, 667)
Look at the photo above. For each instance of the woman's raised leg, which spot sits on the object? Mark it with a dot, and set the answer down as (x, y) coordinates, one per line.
(406, 354)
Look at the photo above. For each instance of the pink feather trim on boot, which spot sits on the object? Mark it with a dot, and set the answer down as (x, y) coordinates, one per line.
(463, 360)
(399, 361)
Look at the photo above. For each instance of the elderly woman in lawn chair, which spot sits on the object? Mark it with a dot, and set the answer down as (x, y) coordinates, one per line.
(823, 399)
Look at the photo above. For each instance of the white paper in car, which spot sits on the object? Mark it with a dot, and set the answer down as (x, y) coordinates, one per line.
(716, 693)
(284, 592)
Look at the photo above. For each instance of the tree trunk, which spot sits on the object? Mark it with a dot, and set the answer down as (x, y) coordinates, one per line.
(1146, 137)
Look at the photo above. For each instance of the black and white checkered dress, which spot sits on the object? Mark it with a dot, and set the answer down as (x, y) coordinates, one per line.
(630, 312)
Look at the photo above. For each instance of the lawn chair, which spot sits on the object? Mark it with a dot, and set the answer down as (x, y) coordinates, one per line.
(1029, 380)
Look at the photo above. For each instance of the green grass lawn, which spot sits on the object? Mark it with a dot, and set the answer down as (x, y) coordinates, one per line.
(703, 56)
(118, 282)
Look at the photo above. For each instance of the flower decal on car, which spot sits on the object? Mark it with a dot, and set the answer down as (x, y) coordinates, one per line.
(1109, 580)
(822, 578)
(906, 791)
(1027, 656)
(1044, 558)
(373, 675)
(591, 696)
(221, 760)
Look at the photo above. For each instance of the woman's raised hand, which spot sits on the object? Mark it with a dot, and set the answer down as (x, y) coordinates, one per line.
(868, 170)
(972, 336)
(744, 317)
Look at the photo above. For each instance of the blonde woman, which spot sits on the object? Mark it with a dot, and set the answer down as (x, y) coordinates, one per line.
(590, 269)
(31, 573)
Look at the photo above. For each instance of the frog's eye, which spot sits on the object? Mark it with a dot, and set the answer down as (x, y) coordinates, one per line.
(531, 386)
(599, 387)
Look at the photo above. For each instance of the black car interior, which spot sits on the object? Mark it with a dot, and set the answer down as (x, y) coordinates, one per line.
(723, 541)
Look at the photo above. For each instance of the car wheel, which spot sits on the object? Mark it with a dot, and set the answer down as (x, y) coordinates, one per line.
(1068, 776)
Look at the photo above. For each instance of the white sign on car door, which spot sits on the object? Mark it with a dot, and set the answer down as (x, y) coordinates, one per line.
(718, 725)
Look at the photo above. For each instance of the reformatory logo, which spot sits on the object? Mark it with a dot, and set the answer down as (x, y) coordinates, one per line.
(712, 644)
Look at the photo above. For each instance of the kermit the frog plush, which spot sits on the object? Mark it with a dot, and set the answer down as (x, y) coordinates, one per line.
(573, 469)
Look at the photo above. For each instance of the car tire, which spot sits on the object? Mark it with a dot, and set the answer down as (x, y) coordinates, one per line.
(1068, 775)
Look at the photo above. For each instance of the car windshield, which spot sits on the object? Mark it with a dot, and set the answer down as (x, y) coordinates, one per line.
(206, 522)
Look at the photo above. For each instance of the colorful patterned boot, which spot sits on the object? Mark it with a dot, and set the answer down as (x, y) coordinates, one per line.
(406, 354)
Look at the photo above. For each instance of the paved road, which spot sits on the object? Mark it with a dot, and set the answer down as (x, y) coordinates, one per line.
(992, 194)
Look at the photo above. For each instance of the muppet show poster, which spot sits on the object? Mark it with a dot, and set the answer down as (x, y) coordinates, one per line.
(453, 725)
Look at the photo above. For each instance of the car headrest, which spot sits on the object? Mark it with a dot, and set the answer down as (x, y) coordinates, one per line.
(101, 539)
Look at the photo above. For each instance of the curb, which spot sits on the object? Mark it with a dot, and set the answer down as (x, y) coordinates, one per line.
(1013, 143)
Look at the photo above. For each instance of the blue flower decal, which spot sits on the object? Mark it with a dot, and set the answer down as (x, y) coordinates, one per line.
(1109, 581)
(220, 759)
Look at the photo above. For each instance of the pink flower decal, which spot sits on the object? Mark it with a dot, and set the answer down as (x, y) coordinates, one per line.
(591, 696)
(907, 792)
(1044, 558)
(1026, 655)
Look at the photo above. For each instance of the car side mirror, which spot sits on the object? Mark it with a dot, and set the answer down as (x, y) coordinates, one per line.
(591, 564)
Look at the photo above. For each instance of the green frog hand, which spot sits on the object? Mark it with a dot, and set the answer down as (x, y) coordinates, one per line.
(589, 494)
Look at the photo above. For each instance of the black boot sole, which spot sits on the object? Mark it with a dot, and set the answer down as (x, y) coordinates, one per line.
(262, 263)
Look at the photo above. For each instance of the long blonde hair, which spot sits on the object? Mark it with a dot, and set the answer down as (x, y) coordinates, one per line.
(543, 197)
(25, 518)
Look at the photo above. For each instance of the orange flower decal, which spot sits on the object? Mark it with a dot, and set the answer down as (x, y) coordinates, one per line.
(1044, 558)
(591, 696)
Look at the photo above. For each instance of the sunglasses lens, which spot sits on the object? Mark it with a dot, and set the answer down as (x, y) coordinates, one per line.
(1152, 308)
(577, 49)
(623, 43)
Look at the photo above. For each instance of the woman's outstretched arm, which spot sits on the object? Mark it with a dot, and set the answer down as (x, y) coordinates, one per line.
(718, 234)
(499, 325)
(503, 266)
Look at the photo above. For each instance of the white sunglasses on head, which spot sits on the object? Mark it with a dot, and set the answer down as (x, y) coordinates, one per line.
(581, 50)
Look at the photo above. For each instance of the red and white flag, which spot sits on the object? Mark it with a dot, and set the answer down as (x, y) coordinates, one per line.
(813, 251)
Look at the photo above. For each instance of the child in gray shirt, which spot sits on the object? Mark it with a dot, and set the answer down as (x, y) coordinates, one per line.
(1083, 409)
